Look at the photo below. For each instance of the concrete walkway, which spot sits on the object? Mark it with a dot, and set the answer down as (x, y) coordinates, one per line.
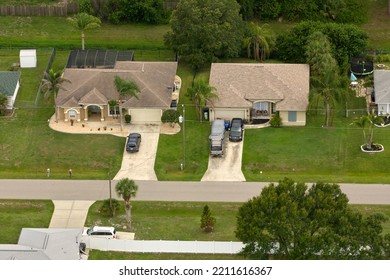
(70, 213)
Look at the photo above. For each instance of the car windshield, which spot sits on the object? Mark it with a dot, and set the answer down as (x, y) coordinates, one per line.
(89, 231)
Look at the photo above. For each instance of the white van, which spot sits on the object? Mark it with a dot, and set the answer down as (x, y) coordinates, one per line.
(102, 232)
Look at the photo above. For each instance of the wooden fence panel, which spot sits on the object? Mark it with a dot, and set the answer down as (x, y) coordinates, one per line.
(39, 10)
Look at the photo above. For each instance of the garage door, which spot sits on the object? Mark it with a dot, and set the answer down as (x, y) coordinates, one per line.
(145, 115)
(228, 114)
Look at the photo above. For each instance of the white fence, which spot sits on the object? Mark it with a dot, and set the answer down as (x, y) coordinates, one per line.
(164, 246)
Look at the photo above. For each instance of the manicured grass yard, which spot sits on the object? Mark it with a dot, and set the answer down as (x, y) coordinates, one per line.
(171, 220)
(57, 32)
(18, 214)
(29, 146)
(314, 153)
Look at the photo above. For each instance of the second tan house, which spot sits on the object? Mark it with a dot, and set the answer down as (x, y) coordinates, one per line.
(254, 92)
(87, 97)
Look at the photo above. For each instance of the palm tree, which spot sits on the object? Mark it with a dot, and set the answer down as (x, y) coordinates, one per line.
(3, 103)
(259, 41)
(125, 88)
(127, 189)
(201, 93)
(326, 88)
(324, 73)
(52, 82)
(82, 22)
(367, 124)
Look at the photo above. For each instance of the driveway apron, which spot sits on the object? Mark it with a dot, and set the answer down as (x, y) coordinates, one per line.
(228, 167)
(140, 165)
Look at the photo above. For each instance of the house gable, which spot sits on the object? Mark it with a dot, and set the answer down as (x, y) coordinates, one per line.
(239, 85)
(154, 79)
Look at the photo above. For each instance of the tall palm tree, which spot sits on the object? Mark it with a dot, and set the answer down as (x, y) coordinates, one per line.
(259, 41)
(201, 93)
(52, 82)
(127, 189)
(125, 88)
(327, 84)
(82, 22)
(326, 88)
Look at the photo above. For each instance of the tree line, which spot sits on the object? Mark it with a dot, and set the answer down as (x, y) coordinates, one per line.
(155, 11)
(341, 11)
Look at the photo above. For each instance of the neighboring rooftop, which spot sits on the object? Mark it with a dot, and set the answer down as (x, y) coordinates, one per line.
(8, 82)
(44, 244)
(240, 84)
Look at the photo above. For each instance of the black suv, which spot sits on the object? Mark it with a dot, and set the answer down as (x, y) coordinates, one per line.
(236, 129)
(133, 142)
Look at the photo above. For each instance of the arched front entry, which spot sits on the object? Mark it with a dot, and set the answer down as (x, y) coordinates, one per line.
(93, 112)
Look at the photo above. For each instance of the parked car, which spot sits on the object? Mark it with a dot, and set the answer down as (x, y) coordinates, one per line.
(236, 129)
(133, 142)
(102, 232)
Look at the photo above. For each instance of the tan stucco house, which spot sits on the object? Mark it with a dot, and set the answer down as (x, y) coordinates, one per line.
(254, 92)
(86, 98)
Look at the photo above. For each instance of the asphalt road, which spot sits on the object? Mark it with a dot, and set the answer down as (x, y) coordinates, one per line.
(168, 191)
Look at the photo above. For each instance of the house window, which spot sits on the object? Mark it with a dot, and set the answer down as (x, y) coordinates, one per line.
(72, 114)
(382, 109)
(113, 110)
(292, 116)
(260, 109)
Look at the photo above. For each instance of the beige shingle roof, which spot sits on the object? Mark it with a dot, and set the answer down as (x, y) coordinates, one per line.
(240, 84)
(154, 79)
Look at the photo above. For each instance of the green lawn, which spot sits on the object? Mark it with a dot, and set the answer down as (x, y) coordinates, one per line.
(377, 26)
(57, 32)
(171, 220)
(314, 153)
(18, 214)
(104, 255)
(29, 147)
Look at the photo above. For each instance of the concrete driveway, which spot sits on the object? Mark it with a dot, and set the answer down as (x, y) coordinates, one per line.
(228, 167)
(140, 165)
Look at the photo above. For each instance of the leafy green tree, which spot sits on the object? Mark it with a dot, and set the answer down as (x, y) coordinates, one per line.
(207, 221)
(52, 82)
(205, 30)
(201, 93)
(291, 221)
(82, 22)
(259, 41)
(346, 41)
(127, 189)
(125, 89)
(3, 103)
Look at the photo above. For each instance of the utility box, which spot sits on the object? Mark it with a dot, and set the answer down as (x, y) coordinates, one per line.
(28, 58)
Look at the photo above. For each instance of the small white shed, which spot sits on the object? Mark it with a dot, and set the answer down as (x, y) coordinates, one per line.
(28, 58)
